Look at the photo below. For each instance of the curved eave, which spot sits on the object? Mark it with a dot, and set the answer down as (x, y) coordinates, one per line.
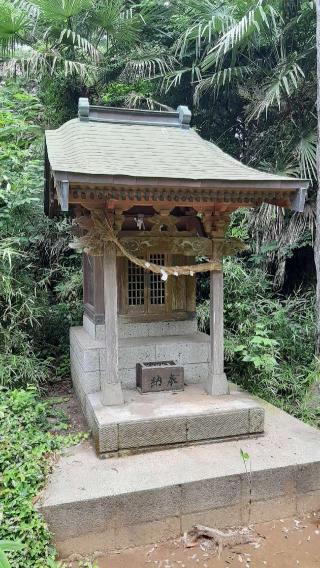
(289, 184)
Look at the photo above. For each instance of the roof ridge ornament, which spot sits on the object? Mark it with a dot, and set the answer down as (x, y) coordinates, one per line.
(184, 116)
(83, 108)
(180, 118)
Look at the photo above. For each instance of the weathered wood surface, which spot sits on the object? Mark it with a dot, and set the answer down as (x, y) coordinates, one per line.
(110, 384)
(217, 383)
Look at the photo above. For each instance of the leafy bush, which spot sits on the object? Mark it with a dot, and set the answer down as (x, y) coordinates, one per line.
(19, 370)
(40, 287)
(25, 443)
(269, 340)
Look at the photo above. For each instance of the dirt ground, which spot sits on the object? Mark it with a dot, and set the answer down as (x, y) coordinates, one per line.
(288, 543)
(65, 403)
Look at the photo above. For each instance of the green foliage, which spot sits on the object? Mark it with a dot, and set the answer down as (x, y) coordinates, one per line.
(25, 444)
(7, 546)
(269, 340)
(40, 276)
(116, 93)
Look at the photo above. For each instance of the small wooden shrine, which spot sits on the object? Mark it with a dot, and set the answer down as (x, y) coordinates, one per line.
(150, 196)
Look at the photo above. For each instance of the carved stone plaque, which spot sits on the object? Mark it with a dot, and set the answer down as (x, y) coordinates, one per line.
(159, 376)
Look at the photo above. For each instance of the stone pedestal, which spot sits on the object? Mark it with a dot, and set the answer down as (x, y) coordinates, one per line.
(179, 341)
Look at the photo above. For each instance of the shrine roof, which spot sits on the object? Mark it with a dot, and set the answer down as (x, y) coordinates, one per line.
(113, 142)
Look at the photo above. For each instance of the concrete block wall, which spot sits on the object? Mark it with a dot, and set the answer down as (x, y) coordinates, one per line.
(192, 351)
(155, 515)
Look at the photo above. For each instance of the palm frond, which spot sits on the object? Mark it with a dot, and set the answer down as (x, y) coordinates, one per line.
(285, 79)
(212, 23)
(256, 19)
(27, 7)
(137, 100)
(147, 63)
(61, 9)
(118, 25)
(173, 78)
(276, 231)
(306, 151)
(220, 79)
(12, 24)
(298, 224)
(79, 41)
(34, 63)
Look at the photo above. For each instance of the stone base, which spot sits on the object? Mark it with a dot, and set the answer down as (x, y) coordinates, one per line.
(92, 504)
(191, 351)
(165, 418)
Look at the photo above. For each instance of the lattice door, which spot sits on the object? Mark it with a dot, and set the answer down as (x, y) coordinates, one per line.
(146, 291)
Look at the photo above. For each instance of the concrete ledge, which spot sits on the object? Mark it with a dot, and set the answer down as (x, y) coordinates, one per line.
(102, 504)
(142, 329)
(163, 418)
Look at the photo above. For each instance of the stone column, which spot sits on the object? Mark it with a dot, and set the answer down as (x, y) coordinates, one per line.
(217, 383)
(111, 391)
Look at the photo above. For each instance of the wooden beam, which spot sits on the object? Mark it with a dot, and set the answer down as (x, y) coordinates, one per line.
(111, 391)
(217, 383)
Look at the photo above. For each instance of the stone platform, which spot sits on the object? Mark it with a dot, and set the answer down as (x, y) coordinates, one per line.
(159, 419)
(93, 504)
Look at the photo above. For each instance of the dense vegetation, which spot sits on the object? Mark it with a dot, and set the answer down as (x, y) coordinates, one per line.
(26, 442)
(247, 70)
(40, 277)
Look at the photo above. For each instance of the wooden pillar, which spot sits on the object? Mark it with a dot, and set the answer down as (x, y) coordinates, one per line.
(111, 391)
(217, 383)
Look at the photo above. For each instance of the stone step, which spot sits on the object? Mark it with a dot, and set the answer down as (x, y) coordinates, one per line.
(159, 419)
(93, 504)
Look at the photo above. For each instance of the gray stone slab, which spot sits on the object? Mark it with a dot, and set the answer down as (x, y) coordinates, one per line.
(114, 511)
(218, 425)
(269, 483)
(308, 477)
(157, 419)
(90, 380)
(129, 355)
(184, 352)
(256, 418)
(196, 373)
(86, 349)
(144, 506)
(107, 437)
(152, 433)
(156, 329)
(211, 494)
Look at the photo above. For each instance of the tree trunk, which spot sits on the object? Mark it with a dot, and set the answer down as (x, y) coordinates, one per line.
(317, 240)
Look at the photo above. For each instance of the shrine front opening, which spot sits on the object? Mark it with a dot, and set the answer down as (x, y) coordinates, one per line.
(150, 197)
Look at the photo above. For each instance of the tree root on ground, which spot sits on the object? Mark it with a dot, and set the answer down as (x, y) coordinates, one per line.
(221, 539)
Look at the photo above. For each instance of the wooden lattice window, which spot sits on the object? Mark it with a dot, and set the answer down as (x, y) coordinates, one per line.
(157, 286)
(143, 296)
(136, 279)
(146, 292)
